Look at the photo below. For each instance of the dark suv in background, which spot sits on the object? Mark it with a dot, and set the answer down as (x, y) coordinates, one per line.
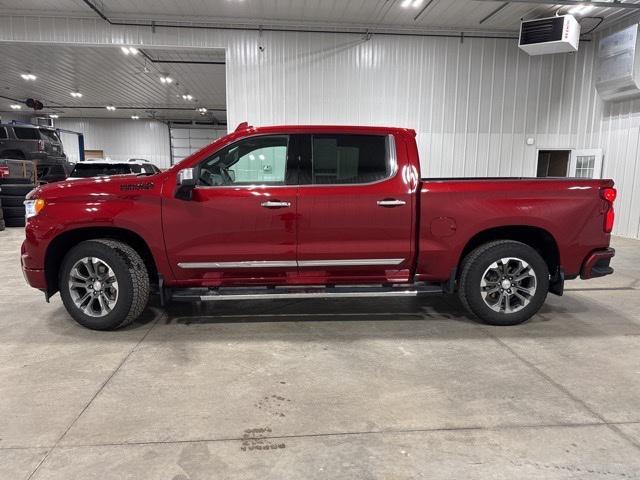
(41, 144)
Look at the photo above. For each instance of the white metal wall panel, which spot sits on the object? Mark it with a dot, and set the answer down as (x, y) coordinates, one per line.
(119, 139)
(472, 103)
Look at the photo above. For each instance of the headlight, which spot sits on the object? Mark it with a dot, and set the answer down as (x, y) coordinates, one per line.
(33, 207)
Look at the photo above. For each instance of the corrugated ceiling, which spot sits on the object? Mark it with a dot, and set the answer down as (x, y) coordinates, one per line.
(421, 14)
(105, 76)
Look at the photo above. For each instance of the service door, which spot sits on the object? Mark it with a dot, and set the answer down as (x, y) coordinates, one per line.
(355, 210)
(240, 225)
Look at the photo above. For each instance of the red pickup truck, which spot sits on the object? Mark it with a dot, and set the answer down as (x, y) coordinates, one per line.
(312, 211)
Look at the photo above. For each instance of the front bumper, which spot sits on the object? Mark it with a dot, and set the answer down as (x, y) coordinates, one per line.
(597, 264)
(34, 277)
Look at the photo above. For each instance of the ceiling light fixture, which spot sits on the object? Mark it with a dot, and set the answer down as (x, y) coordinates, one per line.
(188, 97)
(135, 117)
(405, 3)
(76, 94)
(111, 108)
(417, 3)
(129, 50)
(202, 110)
(28, 76)
(166, 79)
(15, 106)
(53, 115)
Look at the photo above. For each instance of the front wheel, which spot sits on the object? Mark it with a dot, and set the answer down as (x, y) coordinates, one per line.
(504, 282)
(104, 284)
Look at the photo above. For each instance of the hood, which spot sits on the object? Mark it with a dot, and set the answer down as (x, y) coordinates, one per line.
(97, 186)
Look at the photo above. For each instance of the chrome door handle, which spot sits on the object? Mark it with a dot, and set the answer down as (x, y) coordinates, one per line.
(275, 204)
(391, 202)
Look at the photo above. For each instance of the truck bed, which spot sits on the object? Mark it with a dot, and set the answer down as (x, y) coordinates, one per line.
(454, 212)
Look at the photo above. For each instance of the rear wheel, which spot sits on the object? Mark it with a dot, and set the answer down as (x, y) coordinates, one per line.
(504, 282)
(104, 284)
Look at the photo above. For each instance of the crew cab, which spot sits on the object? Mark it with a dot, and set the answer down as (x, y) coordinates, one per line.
(312, 211)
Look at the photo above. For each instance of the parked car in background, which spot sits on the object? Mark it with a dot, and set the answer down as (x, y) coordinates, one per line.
(41, 144)
(100, 167)
(313, 212)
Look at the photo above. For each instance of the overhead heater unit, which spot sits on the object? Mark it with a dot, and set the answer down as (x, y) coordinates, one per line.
(618, 68)
(559, 34)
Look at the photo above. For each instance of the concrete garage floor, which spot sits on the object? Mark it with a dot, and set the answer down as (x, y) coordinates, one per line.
(386, 389)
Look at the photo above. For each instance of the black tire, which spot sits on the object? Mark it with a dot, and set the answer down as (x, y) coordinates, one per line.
(13, 155)
(478, 262)
(14, 190)
(131, 275)
(15, 222)
(7, 201)
(1, 224)
(13, 212)
(16, 181)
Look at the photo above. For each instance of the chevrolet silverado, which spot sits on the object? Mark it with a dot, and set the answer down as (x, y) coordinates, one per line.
(308, 212)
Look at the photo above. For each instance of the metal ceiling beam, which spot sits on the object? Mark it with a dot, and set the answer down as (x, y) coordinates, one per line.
(506, 35)
(495, 12)
(577, 3)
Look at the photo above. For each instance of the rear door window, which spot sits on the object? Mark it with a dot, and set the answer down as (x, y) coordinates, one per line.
(348, 159)
(26, 133)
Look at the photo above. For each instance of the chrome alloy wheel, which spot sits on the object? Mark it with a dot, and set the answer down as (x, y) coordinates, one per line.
(93, 286)
(508, 285)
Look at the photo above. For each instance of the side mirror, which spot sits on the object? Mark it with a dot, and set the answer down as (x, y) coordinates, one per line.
(186, 184)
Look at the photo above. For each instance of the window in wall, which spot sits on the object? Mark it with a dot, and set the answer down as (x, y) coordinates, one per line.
(585, 166)
(256, 160)
(345, 159)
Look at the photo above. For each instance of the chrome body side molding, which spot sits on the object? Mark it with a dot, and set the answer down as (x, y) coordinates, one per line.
(254, 264)
(355, 262)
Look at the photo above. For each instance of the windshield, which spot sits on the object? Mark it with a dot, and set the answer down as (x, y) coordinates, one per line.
(86, 170)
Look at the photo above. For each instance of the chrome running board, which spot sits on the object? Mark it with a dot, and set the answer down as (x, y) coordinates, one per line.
(305, 292)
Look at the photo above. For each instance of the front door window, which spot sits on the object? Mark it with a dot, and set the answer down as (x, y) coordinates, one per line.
(252, 161)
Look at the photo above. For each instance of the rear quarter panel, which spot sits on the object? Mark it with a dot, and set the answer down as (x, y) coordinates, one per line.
(452, 212)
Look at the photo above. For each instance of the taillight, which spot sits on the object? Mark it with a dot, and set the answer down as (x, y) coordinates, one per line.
(609, 194)
(41, 145)
(4, 171)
